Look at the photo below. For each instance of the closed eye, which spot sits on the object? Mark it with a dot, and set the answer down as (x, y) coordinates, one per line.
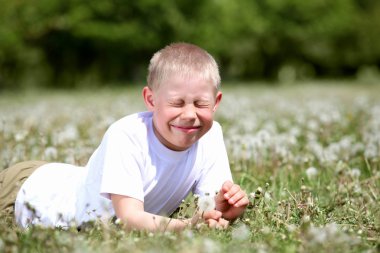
(202, 104)
(176, 103)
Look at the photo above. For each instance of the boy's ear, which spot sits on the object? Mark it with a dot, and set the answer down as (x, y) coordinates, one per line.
(218, 98)
(148, 98)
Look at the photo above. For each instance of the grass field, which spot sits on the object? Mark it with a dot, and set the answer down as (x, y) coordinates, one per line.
(307, 155)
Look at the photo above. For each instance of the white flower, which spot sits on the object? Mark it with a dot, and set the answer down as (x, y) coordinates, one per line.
(1, 244)
(312, 125)
(332, 229)
(210, 245)
(370, 151)
(20, 136)
(69, 133)
(317, 235)
(357, 189)
(206, 203)
(311, 172)
(264, 136)
(240, 233)
(265, 230)
(306, 219)
(329, 234)
(291, 228)
(51, 153)
(188, 234)
(355, 173)
(325, 118)
(267, 196)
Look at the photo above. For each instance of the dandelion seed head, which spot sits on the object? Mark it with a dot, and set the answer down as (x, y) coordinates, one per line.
(51, 153)
(264, 136)
(295, 131)
(262, 248)
(188, 234)
(357, 188)
(291, 228)
(240, 233)
(311, 172)
(1, 244)
(317, 235)
(329, 234)
(306, 219)
(266, 230)
(370, 151)
(210, 246)
(310, 202)
(69, 133)
(313, 125)
(206, 203)
(20, 136)
(355, 173)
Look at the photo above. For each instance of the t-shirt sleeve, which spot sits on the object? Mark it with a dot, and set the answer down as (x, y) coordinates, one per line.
(121, 165)
(216, 168)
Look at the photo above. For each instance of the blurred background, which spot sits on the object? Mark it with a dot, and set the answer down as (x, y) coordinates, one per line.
(82, 43)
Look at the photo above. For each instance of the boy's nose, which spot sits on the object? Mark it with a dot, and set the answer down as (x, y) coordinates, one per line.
(188, 112)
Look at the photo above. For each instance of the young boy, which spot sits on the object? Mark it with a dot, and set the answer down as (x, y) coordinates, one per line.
(147, 162)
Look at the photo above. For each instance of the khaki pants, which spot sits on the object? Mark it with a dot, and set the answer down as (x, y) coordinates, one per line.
(11, 180)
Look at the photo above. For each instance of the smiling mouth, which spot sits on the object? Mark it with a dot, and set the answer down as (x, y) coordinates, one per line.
(187, 128)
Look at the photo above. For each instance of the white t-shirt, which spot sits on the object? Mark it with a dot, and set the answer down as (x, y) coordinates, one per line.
(130, 161)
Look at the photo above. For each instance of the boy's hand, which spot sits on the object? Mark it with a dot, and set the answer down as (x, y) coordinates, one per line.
(212, 218)
(231, 201)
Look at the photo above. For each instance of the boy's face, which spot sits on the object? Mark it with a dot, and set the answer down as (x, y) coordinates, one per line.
(183, 110)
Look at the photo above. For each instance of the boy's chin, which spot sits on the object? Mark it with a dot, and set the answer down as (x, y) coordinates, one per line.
(181, 146)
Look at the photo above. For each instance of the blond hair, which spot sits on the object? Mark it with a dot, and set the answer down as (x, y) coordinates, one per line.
(184, 59)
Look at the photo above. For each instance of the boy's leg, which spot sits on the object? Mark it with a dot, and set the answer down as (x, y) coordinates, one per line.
(11, 180)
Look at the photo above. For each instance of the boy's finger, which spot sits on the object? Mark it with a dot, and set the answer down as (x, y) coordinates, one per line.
(242, 202)
(237, 197)
(212, 214)
(219, 224)
(226, 186)
(232, 191)
(212, 223)
(223, 223)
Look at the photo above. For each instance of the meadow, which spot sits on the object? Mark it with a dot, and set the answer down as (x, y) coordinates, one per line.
(308, 156)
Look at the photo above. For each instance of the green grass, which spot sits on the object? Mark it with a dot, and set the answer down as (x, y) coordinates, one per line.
(273, 136)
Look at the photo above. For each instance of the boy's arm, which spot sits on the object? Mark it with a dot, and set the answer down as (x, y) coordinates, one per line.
(131, 212)
(231, 200)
